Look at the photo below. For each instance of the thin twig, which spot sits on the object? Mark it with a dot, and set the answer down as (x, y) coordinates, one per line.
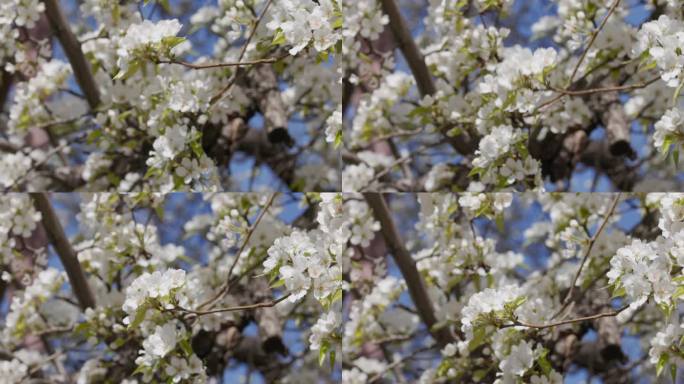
(224, 289)
(591, 41)
(607, 89)
(218, 96)
(564, 322)
(221, 65)
(579, 62)
(397, 363)
(587, 253)
(266, 304)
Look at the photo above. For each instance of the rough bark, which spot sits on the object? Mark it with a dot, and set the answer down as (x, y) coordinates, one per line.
(72, 49)
(263, 88)
(407, 266)
(63, 248)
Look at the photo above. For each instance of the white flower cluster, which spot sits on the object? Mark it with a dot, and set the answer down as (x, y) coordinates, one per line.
(643, 268)
(669, 130)
(145, 36)
(18, 217)
(326, 328)
(495, 144)
(374, 111)
(472, 203)
(13, 371)
(159, 346)
(157, 285)
(304, 20)
(497, 150)
(302, 259)
(663, 39)
(364, 18)
(509, 73)
(28, 107)
(26, 309)
(16, 13)
(516, 363)
(662, 342)
(484, 302)
(333, 129)
(306, 260)
(371, 318)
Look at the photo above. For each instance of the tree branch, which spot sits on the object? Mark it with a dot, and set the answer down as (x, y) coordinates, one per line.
(66, 253)
(419, 69)
(408, 47)
(407, 266)
(72, 49)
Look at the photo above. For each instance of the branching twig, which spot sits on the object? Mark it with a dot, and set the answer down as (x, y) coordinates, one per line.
(266, 304)
(230, 84)
(564, 322)
(591, 40)
(221, 65)
(607, 89)
(224, 289)
(587, 253)
(397, 363)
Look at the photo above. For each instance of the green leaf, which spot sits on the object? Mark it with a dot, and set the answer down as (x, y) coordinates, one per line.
(278, 38)
(677, 92)
(678, 292)
(675, 157)
(332, 360)
(500, 222)
(139, 316)
(325, 345)
(140, 369)
(544, 363)
(479, 337)
(476, 171)
(439, 325)
(165, 5)
(480, 374)
(118, 343)
(197, 149)
(93, 135)
(186, 347)
(664, 358)
(673, 372)
(172, 41)
(133, 67)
